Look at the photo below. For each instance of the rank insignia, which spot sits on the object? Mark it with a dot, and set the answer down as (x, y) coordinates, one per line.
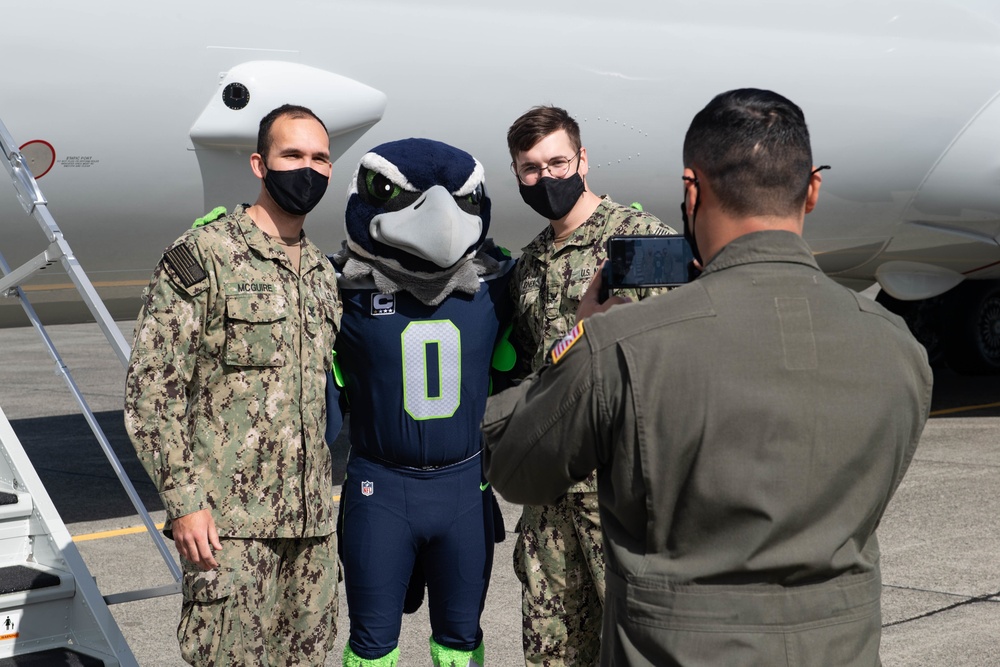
(562, 347)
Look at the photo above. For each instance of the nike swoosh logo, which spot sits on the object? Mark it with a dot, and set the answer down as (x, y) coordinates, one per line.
(483, 487)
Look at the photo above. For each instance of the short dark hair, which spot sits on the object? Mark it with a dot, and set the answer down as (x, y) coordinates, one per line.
(536, 124)
(290, 110)
(753, 147)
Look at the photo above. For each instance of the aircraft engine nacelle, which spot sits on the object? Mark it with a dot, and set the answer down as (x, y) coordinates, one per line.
(250, 90)
(226, 131)
(939, 271)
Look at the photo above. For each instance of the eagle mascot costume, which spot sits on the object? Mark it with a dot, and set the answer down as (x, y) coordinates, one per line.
(426, 305)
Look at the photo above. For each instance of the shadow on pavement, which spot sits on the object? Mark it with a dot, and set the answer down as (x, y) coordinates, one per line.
(78, 476)
(964, 395)
(84, 487)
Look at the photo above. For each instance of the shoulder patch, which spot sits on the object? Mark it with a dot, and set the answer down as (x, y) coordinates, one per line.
(181, 261)
(562, 347)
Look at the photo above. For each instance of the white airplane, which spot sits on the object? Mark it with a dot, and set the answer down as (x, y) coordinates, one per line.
(139, 117)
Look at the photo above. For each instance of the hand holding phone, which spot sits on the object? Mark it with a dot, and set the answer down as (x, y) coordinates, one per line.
(646, 261)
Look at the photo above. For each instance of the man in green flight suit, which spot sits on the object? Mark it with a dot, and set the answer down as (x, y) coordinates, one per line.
(739, 518)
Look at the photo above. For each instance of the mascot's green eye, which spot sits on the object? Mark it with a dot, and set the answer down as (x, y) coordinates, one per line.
(380, 187)
(476, 196)
(472, 200)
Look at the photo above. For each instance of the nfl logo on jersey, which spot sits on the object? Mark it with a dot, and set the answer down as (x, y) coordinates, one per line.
(367, 488)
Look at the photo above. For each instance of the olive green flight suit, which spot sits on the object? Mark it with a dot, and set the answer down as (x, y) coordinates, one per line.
(748, 430)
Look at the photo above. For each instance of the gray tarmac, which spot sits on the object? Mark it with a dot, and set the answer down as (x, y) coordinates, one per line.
(940, 537)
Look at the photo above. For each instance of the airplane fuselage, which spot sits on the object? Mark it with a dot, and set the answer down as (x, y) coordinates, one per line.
(120, 109)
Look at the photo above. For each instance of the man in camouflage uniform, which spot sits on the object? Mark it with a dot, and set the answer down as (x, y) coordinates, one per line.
(225, 407)
(559, 556)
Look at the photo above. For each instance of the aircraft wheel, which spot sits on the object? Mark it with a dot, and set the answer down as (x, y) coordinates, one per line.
(924, 319)
(974, 328)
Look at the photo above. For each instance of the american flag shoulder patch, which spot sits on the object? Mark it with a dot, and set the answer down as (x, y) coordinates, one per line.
(562, 347)
(182, 262)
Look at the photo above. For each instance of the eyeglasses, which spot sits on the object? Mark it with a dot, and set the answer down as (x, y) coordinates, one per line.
(557, 167)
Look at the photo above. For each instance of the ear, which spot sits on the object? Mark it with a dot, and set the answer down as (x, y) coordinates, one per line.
(690, 191)
(257, 165)
(815, 181)
(584, 164)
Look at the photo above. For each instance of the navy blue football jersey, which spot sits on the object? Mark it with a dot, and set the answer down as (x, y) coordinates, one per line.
(416, 377)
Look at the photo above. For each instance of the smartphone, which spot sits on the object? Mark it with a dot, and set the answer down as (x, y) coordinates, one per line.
(647, 261)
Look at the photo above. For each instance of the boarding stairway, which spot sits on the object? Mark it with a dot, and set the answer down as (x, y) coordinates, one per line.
(51, 611)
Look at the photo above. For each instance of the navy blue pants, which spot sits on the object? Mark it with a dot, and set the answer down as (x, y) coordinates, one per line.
(398, 519)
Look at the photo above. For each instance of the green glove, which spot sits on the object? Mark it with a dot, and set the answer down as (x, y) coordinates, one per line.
(211, 216)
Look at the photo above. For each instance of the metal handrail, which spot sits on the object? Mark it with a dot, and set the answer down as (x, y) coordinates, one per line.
(35, 205)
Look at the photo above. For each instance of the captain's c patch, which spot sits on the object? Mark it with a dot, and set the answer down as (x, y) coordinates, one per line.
(383, 304)
(181, 261)
(562, 347)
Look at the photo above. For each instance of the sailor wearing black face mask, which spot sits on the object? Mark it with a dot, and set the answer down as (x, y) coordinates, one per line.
(296, 191)
(553, 197)
(558, 557)
(224, 405)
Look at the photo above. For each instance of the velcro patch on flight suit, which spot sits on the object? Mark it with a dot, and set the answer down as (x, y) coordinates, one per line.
(182, 263)
(562, 347)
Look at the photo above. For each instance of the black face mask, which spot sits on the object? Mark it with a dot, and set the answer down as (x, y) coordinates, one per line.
(689, 224)
(553, 198)
(296, 191)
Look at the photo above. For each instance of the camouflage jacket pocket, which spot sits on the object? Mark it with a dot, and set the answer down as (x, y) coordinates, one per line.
(207, 586)
(572, 294)
(255, 330)
(527, 301)
(322, 317)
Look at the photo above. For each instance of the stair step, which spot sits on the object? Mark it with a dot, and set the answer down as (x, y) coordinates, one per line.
(14, 505)
(30, 583)
(63, 657)
(18, 578)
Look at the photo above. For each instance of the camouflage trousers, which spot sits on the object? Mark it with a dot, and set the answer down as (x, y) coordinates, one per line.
(559, 558)
(270, 602)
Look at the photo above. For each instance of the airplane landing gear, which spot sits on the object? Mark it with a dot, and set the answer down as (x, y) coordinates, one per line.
(960, 327)
(973, 341)
(926, 322)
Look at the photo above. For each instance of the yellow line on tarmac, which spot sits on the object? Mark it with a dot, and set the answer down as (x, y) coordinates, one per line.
(141, 529)
(966, 408)
(112, 533)
(126, 531)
